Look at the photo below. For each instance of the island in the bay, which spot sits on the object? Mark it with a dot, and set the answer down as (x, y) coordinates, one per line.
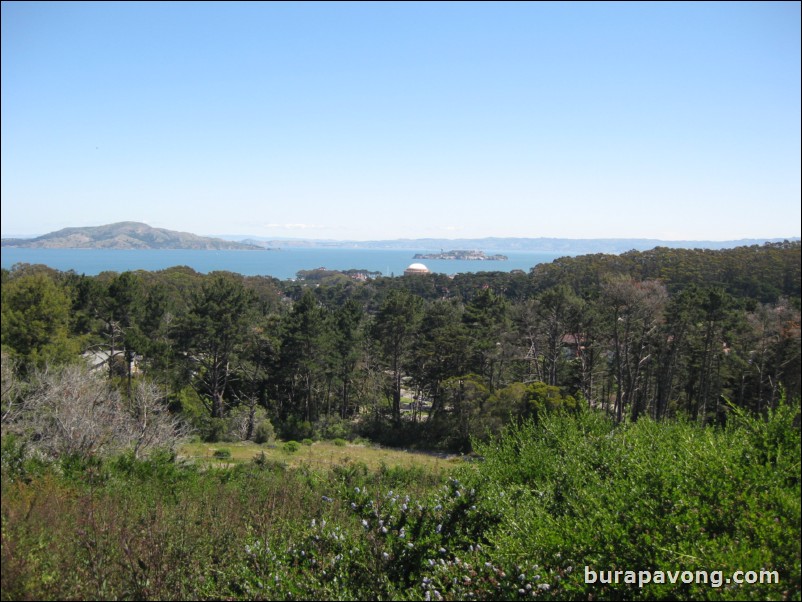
(461, 255)
(125, 235)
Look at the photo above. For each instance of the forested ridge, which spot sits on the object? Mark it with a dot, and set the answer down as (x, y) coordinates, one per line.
(634, 411)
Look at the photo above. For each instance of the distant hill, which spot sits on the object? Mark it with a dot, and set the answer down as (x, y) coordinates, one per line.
(136, 235)
(124, 235)
(567, 246)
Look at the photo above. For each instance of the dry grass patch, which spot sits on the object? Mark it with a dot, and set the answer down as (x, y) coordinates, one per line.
(321, 455)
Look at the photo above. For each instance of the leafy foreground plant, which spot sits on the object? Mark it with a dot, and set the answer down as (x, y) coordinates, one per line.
(570, 494)
(547, 500)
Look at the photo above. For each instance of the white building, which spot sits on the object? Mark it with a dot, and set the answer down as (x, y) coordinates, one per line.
(416, 268)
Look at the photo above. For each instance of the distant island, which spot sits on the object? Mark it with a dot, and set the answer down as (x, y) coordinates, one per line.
(125, 235)
(462, 256)
(324, 274)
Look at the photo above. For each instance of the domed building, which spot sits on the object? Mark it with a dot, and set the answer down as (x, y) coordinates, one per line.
(416, 268)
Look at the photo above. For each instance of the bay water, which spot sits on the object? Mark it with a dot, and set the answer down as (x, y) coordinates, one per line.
(282, 264)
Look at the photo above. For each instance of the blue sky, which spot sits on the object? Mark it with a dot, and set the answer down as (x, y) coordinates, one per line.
(404, 120)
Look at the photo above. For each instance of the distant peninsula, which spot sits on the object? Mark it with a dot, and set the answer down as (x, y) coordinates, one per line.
(461, 256)
(125, 235)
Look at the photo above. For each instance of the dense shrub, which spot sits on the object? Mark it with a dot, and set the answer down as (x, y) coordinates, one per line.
(294, 428)
(264, 432)
(332, 427)
(571, 493)
(291, 447)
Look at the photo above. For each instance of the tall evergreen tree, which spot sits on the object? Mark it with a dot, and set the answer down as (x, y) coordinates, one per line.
(347, 347)
(211, 333)
(304, 358)
(487, 320)
(35, 321)
(394, 329)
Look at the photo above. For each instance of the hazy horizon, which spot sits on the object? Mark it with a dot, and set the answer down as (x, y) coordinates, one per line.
(385, 121)
(242, 236)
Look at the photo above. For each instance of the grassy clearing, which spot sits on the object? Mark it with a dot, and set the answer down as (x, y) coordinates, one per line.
(322, 455)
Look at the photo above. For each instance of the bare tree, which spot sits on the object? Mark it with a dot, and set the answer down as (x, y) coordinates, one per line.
(74, 411)
(151, 424)
(12, 387)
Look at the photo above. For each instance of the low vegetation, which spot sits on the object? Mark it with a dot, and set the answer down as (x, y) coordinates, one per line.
(545, 501)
